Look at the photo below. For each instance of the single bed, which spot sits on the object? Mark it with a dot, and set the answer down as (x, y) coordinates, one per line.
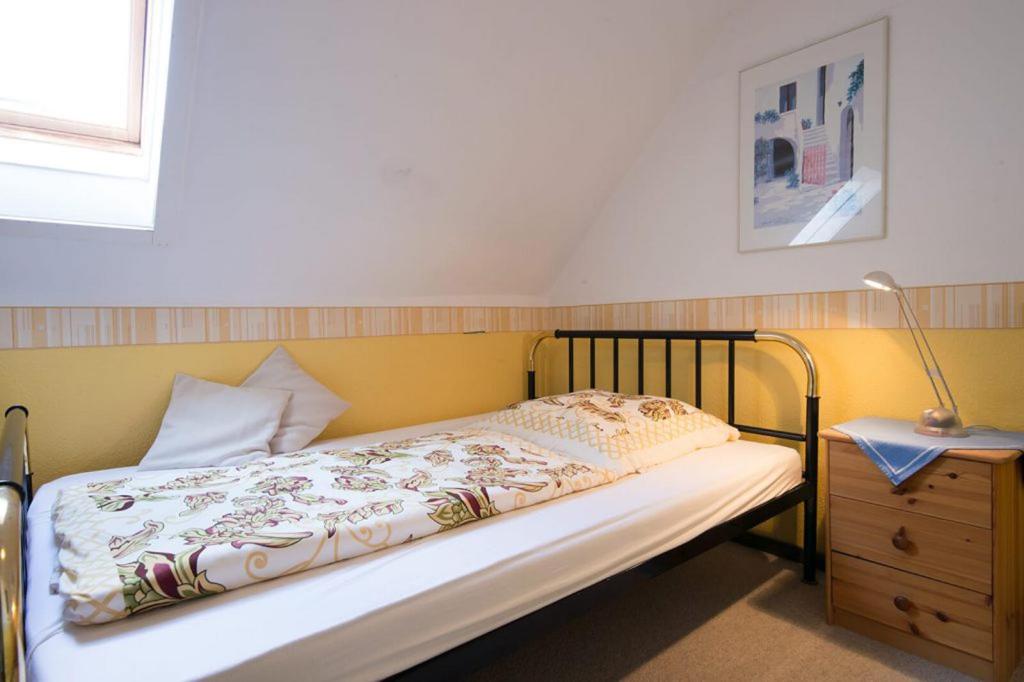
(383, 613)
(374, 616)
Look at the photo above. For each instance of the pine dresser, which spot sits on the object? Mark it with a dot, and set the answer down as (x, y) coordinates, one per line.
(932, 566)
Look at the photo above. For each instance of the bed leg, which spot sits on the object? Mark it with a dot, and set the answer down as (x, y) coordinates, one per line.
(810, 552)
(809, 555)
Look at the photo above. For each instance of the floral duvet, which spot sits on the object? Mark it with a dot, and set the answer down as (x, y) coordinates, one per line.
(135, 544)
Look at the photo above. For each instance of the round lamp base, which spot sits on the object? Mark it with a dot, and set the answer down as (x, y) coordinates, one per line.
(940, 422)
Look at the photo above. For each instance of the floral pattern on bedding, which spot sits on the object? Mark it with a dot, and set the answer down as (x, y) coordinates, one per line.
(135, 544)
(626, 433)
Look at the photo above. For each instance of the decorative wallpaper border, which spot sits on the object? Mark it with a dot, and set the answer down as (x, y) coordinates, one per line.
(975, 306)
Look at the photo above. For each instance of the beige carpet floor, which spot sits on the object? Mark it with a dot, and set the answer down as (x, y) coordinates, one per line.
(730, 614)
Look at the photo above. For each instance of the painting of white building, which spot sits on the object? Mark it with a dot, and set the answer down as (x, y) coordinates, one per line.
(812, 130)
(805, 141)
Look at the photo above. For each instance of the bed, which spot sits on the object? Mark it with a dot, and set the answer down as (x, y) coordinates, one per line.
(381, 615)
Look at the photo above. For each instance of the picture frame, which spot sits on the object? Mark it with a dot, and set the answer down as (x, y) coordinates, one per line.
(813, 143)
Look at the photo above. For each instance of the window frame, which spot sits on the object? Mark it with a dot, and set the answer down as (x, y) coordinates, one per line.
(787, 95)
(64, 131)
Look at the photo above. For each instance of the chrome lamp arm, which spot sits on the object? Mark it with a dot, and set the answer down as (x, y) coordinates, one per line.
(935, 421)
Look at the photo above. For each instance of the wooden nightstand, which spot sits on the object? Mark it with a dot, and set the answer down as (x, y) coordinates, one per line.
(933, 566)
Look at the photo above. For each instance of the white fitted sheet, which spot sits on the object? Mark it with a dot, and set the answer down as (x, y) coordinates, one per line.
(375, 615)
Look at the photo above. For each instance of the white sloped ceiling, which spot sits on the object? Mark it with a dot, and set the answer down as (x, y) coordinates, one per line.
(387, 152)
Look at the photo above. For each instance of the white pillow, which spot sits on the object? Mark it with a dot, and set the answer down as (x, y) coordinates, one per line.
(208, 424)
(312, 408)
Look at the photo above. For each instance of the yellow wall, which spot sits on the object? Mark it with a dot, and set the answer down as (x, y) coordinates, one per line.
(862, 372)
(100, 407)
(94, 408)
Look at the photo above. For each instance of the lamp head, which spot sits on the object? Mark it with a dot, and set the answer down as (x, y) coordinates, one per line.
(881, 280)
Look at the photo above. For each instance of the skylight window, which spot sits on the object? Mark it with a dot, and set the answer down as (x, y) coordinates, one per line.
(83, 85)
(69, 67)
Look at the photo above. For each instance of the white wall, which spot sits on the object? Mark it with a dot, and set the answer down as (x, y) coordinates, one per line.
(956, 163)
(331, 152)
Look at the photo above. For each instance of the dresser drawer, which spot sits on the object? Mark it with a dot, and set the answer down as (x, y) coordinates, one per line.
(952, 552)
(954, 489)
(931, 610)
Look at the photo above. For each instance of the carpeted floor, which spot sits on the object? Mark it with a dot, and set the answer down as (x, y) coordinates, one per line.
(730, 614)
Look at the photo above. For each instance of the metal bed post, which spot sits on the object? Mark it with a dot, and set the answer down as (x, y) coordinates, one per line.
(809, 550)
(696, 374)
(732, 383)
(810, 544)
(615, 365)
(639, 366)
(668, 368)
(531, 366)
(15, 495)
(593, 353)
(572, 367)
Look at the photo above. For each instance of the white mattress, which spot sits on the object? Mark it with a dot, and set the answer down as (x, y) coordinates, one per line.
(375, 615)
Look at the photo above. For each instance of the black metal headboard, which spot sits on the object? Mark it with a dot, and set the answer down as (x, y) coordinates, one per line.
(668, 336)
(809, 437)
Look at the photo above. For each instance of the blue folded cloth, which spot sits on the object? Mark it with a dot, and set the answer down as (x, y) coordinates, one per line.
(900, 453)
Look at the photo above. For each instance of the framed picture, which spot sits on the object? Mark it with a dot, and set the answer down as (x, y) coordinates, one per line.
(812, 143)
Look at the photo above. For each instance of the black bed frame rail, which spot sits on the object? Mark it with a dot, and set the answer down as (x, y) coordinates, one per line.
(471, 655)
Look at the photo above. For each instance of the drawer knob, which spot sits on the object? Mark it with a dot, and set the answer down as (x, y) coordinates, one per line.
(899, 540)
(942, 616)
(902, 603)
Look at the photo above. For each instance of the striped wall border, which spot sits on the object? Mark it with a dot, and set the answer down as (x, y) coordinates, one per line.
(975, 306)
